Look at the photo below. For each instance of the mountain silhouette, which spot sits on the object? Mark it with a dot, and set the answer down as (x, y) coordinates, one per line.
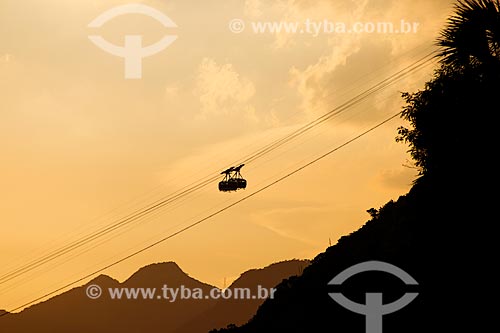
(239, 311)
(73, 311)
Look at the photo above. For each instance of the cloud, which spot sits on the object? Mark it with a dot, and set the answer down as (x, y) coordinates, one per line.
(300, 11)
(172, 91)
(224, 92)
(310, 224)
(310, 82)
(400, 178)
(6, 58)
(253, 8)
(343, 57)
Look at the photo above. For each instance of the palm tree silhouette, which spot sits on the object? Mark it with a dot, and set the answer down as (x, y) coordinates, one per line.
(472, 36)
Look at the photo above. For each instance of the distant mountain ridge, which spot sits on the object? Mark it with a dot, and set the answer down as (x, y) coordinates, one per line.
(73, 311)
(239, 311)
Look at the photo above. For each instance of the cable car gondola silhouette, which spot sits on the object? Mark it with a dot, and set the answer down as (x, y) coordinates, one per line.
(233, 180)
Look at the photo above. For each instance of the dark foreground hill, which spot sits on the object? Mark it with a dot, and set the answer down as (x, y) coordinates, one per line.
(239, 311)
(436, 233)
(443, 232)
(73, 311)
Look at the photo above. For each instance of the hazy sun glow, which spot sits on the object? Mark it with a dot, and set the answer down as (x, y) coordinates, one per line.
(83, 147)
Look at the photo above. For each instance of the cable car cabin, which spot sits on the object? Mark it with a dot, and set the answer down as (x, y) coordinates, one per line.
(232, 185)
(233, 180)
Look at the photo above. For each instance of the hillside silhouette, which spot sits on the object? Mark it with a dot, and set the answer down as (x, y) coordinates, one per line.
(73, 311)
(441, 231)
(239, 311)
(415, 233)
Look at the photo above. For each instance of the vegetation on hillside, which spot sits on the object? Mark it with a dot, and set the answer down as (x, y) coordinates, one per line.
(439, 231)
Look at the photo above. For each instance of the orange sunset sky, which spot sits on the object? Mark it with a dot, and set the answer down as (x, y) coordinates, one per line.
(82, 147)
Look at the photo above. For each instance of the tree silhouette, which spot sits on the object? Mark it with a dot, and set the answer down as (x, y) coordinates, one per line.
(450, 118)
(472, 35)
(373, 213)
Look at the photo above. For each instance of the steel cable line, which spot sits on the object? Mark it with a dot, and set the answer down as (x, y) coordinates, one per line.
(353, 84)
(81, 242)
(208, 217)
(163, 202)
(211, 179)
(346, 105)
